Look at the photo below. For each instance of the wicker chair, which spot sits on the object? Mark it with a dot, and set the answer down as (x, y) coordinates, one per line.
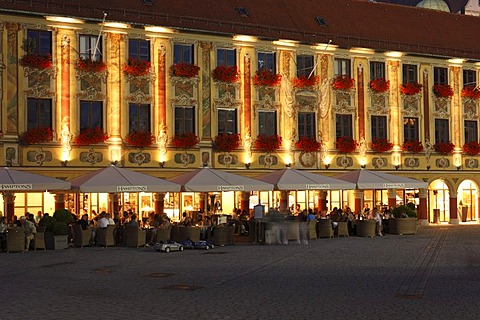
(15, 240)
(192, 233)
(324, 228)
(366, 228)
(312, 230)
(105, 236)
(223, 236)
(81, 238)
(293, 231)
(39, 241)
(342, 229)
(136, 237)
(163, 234)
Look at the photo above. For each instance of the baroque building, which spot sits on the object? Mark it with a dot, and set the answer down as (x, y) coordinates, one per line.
(153, 86)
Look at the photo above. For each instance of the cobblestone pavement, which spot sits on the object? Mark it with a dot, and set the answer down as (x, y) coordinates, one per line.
(432, 275)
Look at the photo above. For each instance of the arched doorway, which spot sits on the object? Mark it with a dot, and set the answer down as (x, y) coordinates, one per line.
(439, 202)
(467, 196)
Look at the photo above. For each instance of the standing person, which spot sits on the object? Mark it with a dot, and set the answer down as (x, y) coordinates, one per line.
(39, 216)
(378, 221)
(303, 228)
(29, 229)
(3, 234)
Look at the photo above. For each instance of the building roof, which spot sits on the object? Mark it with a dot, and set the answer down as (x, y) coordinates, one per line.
(455, 5)
(348, 23)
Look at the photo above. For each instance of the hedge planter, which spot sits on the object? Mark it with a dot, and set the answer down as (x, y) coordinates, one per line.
(403, 225)
(61, 242)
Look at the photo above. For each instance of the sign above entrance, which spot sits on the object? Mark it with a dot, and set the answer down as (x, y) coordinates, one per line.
(394, 185)
(16, 186)
(132, 188)
(230, 188)
(325, 186)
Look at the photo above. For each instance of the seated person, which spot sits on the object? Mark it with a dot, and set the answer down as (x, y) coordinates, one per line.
(133, 221)
(102, 221)
(29, 229)
(83, 222)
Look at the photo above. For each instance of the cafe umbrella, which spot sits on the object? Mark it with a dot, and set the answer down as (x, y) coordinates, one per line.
(368, 179)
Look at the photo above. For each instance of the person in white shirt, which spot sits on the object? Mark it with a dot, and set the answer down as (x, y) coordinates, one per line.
(378, 221)
(109, 218)
(103, 221)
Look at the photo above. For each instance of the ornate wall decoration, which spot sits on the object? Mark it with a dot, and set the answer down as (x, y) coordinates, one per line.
(162, 139)
(12, 77)
(206, 89)
(267, 100)
(411, 105)
(428, 148)
(471, 163)
(39, 82)
(442, 163)
(184, 158)
(412, 162)
(378, 103)
(139, 157)
(227, 159)
(227, 101)
(39, 156)
(441, 107)
(91, 157)
(140, 87)
(379, 162)
(267, 160)
(11, 156)
(344, 161)
(232, 88)
(91, 84)
(307, 159)
(470, 108)
(247, 143)
(343, 101)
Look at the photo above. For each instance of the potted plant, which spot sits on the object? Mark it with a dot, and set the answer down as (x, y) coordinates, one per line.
(379, 85)
(184, 70)
(413, 146)
(136, 67)
(410, 89)
(308, 144)
(91, 136)
(444, 147)
(471, 92)
(140, 139)
(226, 142)
(36, 61)
(305, 82)
(46, 223)
(471, 148)
(442, 90)
(343, 83)
(89, 65)
(404, 220)
(267, 78)
(62, 218)
(36, 136)
(346, 144)
(226, 74)
(381, 145)
(185, 140)
(268, 144)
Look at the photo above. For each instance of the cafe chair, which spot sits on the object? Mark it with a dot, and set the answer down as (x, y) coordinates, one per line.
(15, 240)
(312, 229)
(163, 234)
(366, 228)
(136, 237)
(105, 236)
(342, 229)
(324, 228)
(81, 238)
(39, 241)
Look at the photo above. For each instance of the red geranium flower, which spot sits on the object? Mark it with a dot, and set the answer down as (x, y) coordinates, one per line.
(227, 142)
(379, 85)
(88, 65)
(226, 74)
(37, 135)
(185, 140)
(444, 147)
(308, 144)
(91, 136)
(140, 139)
(443, 90)
(186, 70)
(268, 144)
(471, 92)
(410, 89)
(346, 144)
(343, 83)
(413, 146)
(137, 67)
(266, 78)
(380, 145)
(37, 61)
(302, 82)
(471, 148)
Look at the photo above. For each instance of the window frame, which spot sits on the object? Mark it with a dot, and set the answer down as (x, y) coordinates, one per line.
(38, 48)
(442, 130)
(343, 125)
(223, 52)
(142, 109)
(224, 126)
(39, 118)
(266, 66)
(85, 53)
(377, 70)
(410, 130)
(440, 75)
(307, 127)
(304, 67)
(409, 73)
(91, 115)
(138, 55)
(181, 121)
(266, 127)
(376, 126)
(470, 132)
(343, 67)
(182, 55)
(469, 77)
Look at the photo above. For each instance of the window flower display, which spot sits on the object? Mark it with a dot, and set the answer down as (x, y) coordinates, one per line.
(443, 90)
(410, 89)
(471, 148)
(308, 144)
(185, 140)
(471, 92)
(226, 74)
(343, 83)
(37, 135)
(380, 145)
(91, 136)
(267, 78)
(37, 61)
(413, 146)
(185, 70)
(444, 147)
(346, 144)
(379, 85)
(268, 144)
(304, 82)
(137, 67)
(227, 142)
(140, 139)
(88, 65)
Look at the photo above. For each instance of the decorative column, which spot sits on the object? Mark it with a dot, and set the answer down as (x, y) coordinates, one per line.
(159, 202)
(322, 200)
(245, 201)
(361, 101)
(393, 101)
(358, 194)
(113, 205)
(283, 200)
(162, 137)
(453, 207)
(65, 100)
(206, 91)
(203, 201)
(426, 104)
(392, 198)
(247, 94)
(422, 212)
(59, 201)
(9, 201)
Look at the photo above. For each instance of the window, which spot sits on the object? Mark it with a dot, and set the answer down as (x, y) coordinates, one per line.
(266, 61)
(471, 131)
(410, 129)
(469, 78)
(342, 67)
(306, 124)
(91, 115)
(409, 73)
(377, 70)
(38, 42)
(440, 75)
(184, 120)
(91, 47)
(441, 130)
(138, 117)
(379, 127)
(39, 113)
(182, 53)
(343, 125)
(305, 65)
(267, 123)
(139, 49)
(227, 121)
(226, 57)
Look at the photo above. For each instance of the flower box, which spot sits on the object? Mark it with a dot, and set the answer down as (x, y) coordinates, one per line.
(379, 85)
(226, 74)
(443, 90)
(343, 83)
(304, 82)
(268, 144)
(37, 135)
(471, 92)
(471, 148)
(413, 146)
(266, 78)
(88, 65)
(137, 67)
(444, 147)
(91, 136)
(380, 145)
(227, 142)
(346, 144)
(140, 139)
(36, 61)
(410, 89)
(185, 70)
(185, 140)
(308, 144)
